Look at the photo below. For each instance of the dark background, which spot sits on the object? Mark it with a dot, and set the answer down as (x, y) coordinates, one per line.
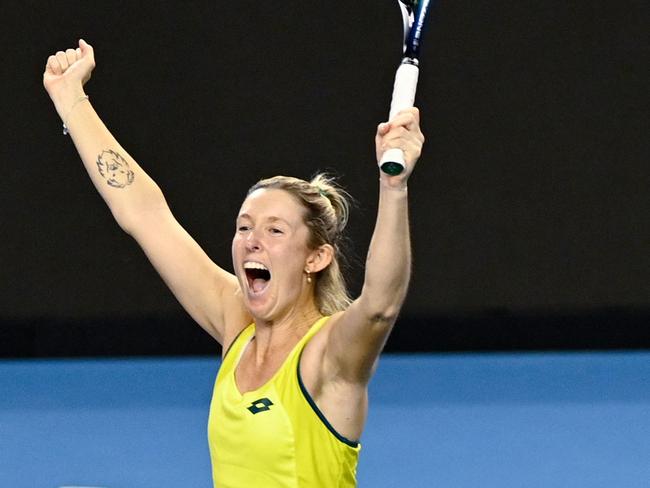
(529, 207)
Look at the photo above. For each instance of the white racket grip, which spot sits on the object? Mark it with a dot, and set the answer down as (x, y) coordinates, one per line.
(406, 82)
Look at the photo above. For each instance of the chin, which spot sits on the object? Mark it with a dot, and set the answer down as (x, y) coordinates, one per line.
(259, 307)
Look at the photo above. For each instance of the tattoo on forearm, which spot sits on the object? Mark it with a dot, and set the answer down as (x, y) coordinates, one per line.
(114, 169)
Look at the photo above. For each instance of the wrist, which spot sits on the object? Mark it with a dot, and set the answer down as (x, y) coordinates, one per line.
(393, 184)
(82, 98)
(65, 97)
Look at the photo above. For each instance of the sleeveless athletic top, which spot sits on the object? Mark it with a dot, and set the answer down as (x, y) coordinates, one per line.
(275, 436)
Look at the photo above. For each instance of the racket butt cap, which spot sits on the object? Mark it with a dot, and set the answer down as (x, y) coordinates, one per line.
(392, 168)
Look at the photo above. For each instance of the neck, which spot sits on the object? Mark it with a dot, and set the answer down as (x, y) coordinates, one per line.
(283, 333)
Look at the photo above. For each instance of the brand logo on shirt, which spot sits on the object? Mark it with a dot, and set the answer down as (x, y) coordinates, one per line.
(261, 405)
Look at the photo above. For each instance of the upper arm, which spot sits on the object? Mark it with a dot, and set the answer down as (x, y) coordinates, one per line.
(355, 339)
(207, 292)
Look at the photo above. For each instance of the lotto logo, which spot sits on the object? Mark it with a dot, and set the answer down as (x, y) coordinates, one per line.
(261, 405)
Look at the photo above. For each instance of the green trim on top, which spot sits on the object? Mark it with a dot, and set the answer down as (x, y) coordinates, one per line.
(235, 340)
(320, 415)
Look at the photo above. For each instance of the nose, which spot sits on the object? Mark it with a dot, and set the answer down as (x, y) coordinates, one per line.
(252, 242)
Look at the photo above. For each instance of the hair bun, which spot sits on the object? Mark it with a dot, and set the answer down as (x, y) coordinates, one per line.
(337, 196)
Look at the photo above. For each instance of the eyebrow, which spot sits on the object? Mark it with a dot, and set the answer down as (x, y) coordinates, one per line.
(269, 219)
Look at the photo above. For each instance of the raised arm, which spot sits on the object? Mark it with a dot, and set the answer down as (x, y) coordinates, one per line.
(358, 335)
(206, 291)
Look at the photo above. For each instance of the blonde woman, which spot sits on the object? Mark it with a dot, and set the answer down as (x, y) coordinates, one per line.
(291, 396)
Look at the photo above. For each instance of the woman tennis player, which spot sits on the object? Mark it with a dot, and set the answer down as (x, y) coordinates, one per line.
(291, 396)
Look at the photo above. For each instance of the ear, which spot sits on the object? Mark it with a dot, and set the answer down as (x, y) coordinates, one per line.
(320, 258)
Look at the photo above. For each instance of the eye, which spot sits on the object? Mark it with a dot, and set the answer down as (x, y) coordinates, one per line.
(243, 228)
(275, 230)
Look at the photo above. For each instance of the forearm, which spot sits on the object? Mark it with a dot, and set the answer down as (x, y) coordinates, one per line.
(125, 187)
(388, 264)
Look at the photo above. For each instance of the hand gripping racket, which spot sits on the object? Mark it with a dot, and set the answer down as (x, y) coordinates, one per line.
(414, 13)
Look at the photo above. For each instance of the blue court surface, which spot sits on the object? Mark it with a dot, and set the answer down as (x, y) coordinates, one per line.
(438, 420)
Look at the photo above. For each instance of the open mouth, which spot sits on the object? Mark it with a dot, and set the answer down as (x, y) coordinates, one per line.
(257, 275)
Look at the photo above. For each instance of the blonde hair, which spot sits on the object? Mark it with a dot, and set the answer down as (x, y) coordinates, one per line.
(327, 209)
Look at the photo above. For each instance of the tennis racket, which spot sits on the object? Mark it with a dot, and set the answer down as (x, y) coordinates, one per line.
(414, 13)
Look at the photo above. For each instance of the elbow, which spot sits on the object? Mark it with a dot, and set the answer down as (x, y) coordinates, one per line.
(387, 316)
(135, 214)
(125, 221)
(125, 226)
(383, 303)
(381, 312)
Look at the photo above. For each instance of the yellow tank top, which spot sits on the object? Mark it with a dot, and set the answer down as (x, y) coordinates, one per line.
(275, 436)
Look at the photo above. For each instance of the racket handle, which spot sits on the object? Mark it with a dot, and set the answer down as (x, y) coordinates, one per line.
(406, 82)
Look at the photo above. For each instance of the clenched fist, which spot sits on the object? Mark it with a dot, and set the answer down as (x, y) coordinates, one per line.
(402, 132)
(67, 71)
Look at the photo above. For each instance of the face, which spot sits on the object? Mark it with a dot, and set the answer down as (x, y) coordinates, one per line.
(270, 253)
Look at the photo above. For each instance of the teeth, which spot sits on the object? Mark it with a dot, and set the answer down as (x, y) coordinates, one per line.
(254, 265)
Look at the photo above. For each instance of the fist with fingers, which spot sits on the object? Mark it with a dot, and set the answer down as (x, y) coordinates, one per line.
(69, 70)
(402, 132)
